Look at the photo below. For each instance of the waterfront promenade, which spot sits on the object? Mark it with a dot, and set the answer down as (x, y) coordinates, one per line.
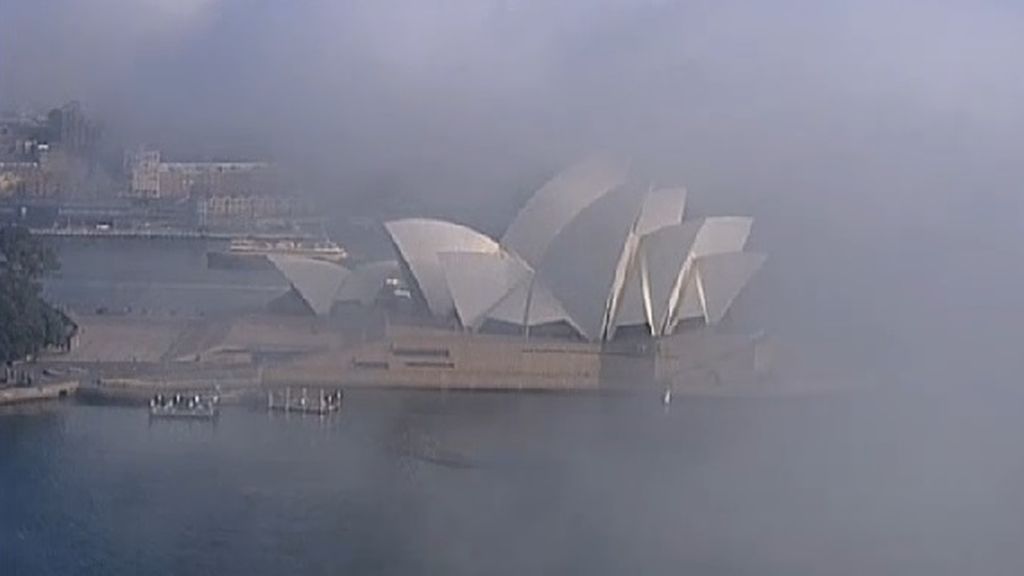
(157, 233)
(36, 393)
(130, 357)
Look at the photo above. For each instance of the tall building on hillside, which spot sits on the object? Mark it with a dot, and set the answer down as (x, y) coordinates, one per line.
(48, 156)
(77, 135)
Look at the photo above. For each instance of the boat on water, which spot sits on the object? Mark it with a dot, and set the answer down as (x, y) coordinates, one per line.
(320, 402)
(251, 253)
(184, 407)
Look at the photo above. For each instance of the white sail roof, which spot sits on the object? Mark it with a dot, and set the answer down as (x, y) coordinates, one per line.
(530, 303)
(545, 308)
(662, 207)
(583, 264)
(691, 304)
(512, 307)
(419, 241)
(630, 301)
(722, 277)
(722, 234)
(316, 281)
(717, 235)
(632, 306)
(664, 253)
(558, 203)
(366, 281)
(479, 280)
(627, 255)
(589, 249)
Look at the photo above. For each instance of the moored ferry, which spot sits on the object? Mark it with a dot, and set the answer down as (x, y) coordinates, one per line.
(251, 254)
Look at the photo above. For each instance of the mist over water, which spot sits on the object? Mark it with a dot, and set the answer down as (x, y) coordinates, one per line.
(877, 145)
(836, 485)
(155, 277)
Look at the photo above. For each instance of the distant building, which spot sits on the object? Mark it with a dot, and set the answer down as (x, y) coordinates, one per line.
(143, 169)
(28, 180)
(152, 178)
(19, 138)
(184, 179)
(77, 135)
(239, 206)
(223, 193)
(19, 178)
(47, 156)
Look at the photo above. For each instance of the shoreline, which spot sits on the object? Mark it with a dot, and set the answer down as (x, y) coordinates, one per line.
(39, 393)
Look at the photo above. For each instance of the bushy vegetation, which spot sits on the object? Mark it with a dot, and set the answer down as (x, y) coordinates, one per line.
(27, 322)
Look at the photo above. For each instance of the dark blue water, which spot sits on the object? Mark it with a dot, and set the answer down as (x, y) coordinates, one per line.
(873, 483)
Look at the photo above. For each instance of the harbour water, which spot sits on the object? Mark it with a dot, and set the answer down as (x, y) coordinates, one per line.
(154, 277)
(923, 474)
(506, 484)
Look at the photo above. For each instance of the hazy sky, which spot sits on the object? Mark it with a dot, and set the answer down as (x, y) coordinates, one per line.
(889, 132)
(469, 93)
(460, 98)
(878, 143)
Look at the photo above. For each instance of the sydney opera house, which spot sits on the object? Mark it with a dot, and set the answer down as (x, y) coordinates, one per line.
(590, 254)
(593, 258)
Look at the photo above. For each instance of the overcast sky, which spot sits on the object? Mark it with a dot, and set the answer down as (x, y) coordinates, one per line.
(454, 90)
(889, 130)
(877, 143)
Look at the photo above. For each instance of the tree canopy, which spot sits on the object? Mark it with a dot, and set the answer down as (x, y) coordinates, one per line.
(27, 322)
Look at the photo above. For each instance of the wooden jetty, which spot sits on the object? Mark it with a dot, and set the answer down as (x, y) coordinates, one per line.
(184, 407)
(320, 401)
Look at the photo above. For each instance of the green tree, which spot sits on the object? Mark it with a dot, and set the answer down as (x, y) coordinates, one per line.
(27, 322)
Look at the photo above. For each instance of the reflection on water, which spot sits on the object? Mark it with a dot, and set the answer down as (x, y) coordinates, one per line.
(550, 484)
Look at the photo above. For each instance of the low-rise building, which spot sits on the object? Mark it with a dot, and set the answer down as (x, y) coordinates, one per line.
(19, 138)
(143, 169)
(152, 178)
(28, 180)
(223, 193)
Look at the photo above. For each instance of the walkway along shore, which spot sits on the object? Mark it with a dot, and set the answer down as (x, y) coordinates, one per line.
(52, 391)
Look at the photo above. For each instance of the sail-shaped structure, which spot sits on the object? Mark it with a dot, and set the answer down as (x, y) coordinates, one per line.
(592, 249)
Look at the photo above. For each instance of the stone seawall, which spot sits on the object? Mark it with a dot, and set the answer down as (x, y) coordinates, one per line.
(139, 391)
(445, 360)
(54, 391)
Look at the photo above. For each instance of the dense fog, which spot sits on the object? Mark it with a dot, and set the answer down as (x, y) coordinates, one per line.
(877, 144)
